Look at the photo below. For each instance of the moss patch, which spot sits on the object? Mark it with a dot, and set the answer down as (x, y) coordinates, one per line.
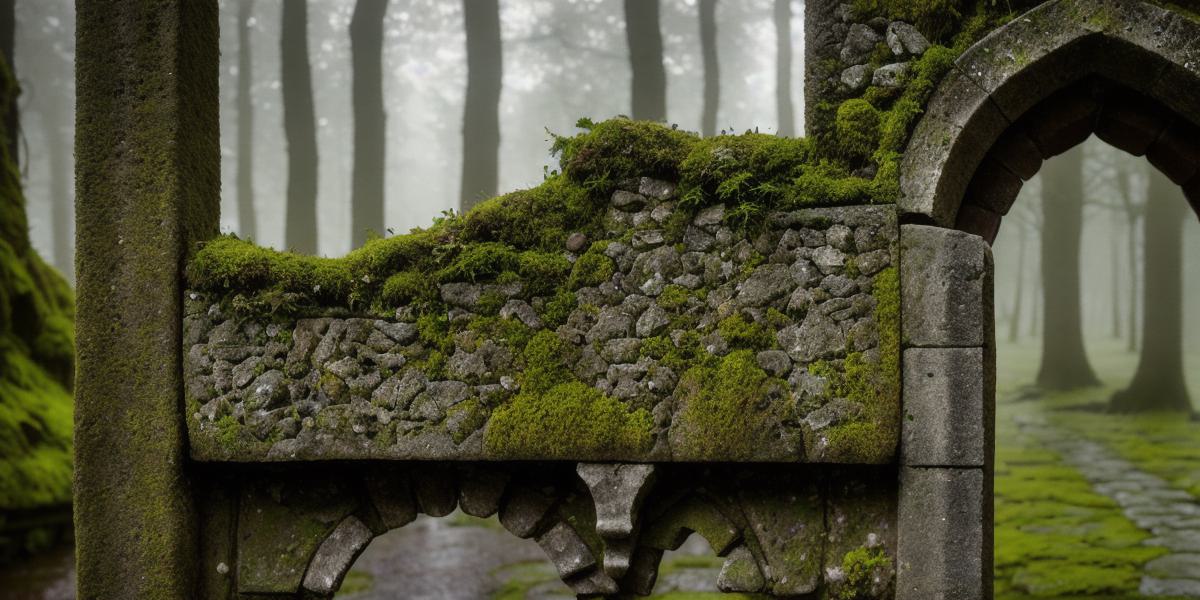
(728, 410)
(556, 416)
(37, 354)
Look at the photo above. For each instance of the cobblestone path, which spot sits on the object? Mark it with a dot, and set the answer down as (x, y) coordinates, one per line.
(1171, 515)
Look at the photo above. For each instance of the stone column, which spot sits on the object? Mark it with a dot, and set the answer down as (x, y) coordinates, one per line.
(944, 521)
(147, 182)
(823, 33)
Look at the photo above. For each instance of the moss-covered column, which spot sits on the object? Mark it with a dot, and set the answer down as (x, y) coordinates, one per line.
(147, 177)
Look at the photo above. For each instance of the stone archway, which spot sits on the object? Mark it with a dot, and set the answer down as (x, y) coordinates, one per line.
(1042, 84)
(1125, 71)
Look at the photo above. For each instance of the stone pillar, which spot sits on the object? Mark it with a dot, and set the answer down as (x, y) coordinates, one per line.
(147, 182)
(944, 520)
(823, 33)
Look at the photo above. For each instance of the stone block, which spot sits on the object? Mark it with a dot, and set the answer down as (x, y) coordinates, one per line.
(960, 124)
(1176, 152)
(1065, 119)
(979, 221)
(1130, 121)
(524, 511)
(391, 494)
(435, 491)
(336, 554)
(947, 415)
(943, 275)
(945, 535)
(993, 187)
(1017, 152)
(566, 550)
(480, 490)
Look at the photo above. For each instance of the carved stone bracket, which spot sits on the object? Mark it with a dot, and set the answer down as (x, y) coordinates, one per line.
(785, 530)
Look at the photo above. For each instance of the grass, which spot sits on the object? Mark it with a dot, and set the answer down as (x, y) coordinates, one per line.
(1055, 537)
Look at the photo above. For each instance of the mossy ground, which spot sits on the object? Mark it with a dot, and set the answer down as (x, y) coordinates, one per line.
(37, 351)
(1055, 536)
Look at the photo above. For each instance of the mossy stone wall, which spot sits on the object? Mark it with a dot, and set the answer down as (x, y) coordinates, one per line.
(677, 335)
(147, 176)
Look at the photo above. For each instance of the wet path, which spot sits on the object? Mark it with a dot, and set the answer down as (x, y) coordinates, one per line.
(1171, 515)
(436, 558)
(49, 576)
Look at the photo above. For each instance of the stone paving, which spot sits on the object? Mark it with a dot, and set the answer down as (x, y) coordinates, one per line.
(1171, 515)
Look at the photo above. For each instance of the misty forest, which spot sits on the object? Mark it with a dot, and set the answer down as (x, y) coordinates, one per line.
(345, 121)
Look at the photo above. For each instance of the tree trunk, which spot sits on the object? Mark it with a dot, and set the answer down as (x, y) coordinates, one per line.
(1114, 260)
(646, 60)
(58, 150)
(1158, 383)
(783, 67)
(370, 132)
(481, 114)
(1064, 360)
(247, 223)
(1014, 324)
(1132, 212)
(299, 127)
(712, 68)
(8, 30)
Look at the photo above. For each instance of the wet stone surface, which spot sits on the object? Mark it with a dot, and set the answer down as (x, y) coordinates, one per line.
(683, 295)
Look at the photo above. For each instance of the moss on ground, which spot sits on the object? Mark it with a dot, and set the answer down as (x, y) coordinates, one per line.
(37, 353)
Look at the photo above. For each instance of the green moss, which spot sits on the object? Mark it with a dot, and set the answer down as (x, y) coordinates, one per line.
(592, 268)
(673, 297)
(857, 127)
(722, 412)
(544, 270)
(480, 262)
(568, 421)
(404, 287)
(558, 308)
(621, 148)
(741, 333)
(860, 567)
(873, 385)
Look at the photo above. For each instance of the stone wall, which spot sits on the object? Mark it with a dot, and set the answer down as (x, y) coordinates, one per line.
(693, 340)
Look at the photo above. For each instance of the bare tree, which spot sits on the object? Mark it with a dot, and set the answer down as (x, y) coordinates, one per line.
(481, 114)
(8, 38)
(1158, 383)
(299, 127)
(247, 223)
(644, 37)
(1064, 360)
(783, 67)
(712, 67)
(370, 133)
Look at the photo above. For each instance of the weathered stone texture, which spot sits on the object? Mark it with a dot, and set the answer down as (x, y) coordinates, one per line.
(946, 412)
(800, 291)
(943, 276)
(944, 533)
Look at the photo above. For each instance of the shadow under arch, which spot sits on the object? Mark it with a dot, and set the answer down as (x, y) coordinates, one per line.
(1126, 70)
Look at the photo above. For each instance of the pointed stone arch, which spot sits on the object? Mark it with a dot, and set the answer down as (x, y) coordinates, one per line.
(1124, 70)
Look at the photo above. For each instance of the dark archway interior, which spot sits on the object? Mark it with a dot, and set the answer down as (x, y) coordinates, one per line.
(1120, 116)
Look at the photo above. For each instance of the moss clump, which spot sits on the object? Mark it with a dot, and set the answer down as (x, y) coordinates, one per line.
(727, 410)
(557, 416)
(857, 127)
(568, 421)
(619, 148)
(673, 297)
(592, 268)
(741, 333)
(860, 568)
